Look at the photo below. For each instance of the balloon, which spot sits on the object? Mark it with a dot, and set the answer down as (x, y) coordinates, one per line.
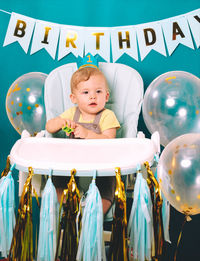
(25, 103)
(179, 173)
(171, 105)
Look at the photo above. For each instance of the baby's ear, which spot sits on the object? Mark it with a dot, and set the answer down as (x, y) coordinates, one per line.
(73, 98)
(107, 96)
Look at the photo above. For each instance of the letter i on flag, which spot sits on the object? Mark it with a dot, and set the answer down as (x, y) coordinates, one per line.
(45, 36)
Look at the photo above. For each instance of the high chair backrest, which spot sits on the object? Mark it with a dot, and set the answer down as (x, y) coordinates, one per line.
(126, 94)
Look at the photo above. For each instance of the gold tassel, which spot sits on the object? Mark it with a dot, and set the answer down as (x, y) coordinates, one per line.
(7, 168)
(67, 241)
(118, 248)
(157, 211)
(22, 242)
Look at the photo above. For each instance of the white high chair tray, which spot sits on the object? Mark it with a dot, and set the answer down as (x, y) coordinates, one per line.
(63, 155)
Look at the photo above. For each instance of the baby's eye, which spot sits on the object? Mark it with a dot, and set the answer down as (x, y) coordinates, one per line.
(85, 92)
(99, 91)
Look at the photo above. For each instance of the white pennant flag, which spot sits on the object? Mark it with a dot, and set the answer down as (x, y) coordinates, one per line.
(124, 40)
(20, 30)
(150, 37)
(176, 31)
(97, 41)
(45, 36)
(194, 23)
(71, 41)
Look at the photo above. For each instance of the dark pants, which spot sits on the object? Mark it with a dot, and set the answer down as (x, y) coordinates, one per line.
(106, 185)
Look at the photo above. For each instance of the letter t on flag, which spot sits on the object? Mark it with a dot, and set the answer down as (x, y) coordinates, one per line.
(20, 30)
(97, 41)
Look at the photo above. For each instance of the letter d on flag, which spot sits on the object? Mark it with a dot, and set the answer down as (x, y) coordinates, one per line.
(20, 30)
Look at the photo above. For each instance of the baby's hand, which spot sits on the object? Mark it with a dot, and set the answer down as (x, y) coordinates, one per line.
(70, 124)
(57, 123)
(80, 132)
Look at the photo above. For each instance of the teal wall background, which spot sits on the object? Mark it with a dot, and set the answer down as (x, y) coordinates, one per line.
(14, 62)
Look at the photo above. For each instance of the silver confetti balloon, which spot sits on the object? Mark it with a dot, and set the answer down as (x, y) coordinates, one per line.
(179, 173)
(171, 105)
(25, 103)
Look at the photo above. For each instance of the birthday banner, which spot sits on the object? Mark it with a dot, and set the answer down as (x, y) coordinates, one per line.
(135, 40)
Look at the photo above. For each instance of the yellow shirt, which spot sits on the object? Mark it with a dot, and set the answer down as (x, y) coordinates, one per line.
(108, 119)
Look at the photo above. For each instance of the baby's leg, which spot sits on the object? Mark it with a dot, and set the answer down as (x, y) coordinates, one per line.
(59, 192)
(106, 205)
(60, 183)
(106, 186)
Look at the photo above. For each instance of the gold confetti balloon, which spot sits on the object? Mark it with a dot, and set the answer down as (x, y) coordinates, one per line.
(25, 103)
(179, 173)
(171, 105)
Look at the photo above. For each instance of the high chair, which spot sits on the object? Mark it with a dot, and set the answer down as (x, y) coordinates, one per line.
(126, 95)
(62, 155)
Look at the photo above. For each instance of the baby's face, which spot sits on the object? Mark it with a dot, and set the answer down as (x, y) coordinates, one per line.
(91, 95)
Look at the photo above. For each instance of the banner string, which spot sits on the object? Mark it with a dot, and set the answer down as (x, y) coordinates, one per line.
(139, 32)
(3, 11)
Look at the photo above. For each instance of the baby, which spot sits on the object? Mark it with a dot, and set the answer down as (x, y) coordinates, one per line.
(89, 119)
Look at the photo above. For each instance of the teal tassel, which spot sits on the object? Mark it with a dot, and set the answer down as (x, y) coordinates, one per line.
(165, 214)
(48, 223)
(140, 227)
(166, 217)
(91, 245)
(7, 215)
